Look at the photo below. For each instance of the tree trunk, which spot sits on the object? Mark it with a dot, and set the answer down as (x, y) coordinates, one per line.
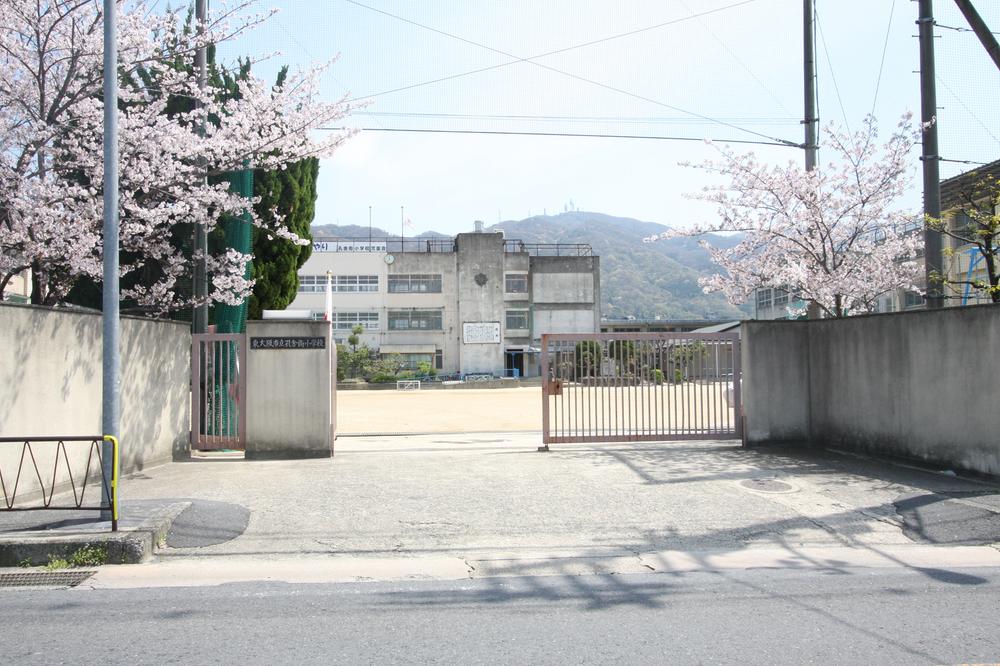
(991, 273)
(36, 284)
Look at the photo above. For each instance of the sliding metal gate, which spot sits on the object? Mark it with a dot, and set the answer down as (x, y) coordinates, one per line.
(218, 391)
(630, 387)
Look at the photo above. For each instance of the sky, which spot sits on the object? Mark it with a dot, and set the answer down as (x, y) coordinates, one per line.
(723, 70)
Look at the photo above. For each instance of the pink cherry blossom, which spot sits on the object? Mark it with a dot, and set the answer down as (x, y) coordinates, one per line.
(835, 236)
(51, 150)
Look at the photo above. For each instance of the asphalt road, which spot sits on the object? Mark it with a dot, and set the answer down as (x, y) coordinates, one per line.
(838, 616)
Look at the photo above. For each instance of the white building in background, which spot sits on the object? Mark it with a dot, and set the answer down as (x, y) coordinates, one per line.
(966, 262)
(473, 304)
(18, 289)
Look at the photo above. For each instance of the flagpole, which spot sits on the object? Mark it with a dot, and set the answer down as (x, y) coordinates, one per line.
(402, 231)
(328, 305)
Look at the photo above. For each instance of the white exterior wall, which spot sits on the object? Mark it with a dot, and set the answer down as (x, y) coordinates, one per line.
(563, 321)
(562, 287)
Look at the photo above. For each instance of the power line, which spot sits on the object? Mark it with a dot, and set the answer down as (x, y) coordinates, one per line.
(959, 29)
(531, 60)
(782, 144)
(885, 47)
(967, 109)
(738, 60)
(944, 159)
(777, 120)
(833, 76)
(594, 42)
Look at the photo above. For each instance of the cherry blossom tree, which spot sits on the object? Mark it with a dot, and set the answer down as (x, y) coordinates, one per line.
(974, 226)
(835, 237)
(171, 159)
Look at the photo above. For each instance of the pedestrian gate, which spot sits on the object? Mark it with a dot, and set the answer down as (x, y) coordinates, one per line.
(218, 391)
(630, 387)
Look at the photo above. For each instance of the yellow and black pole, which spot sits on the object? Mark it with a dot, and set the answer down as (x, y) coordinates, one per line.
(113, 489)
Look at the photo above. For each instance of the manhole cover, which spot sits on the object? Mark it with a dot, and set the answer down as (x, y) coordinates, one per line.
(44, 578)
(767, 485)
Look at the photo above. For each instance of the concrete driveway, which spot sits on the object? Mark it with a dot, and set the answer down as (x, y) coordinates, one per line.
(493, 498)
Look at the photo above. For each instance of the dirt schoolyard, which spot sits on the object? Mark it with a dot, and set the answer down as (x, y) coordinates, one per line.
(440, 411)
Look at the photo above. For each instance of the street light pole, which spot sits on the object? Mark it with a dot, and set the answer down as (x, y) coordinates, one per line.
(111, 359)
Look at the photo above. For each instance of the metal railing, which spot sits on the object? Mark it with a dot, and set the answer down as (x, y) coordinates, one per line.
(445, 245)
(513, 246)
(109, 486)
(359, 245)
(218, 391)
(627, 387)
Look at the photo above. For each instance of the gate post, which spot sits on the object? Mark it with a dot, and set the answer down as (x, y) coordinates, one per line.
(290, 398)
(545, 394)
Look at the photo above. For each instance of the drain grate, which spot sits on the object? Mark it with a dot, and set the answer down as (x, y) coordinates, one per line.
(44, 578)
(767, 485)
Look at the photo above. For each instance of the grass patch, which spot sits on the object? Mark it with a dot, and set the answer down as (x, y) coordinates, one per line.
(87, 556)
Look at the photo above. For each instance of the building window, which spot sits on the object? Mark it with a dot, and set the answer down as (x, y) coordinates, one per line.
(316, 284)
(764, 298)
(356, 283)
(415, 284)
(312, 284)
(912, 299)
(415, 320)
(413, 361)
(348, 320)
(517, 319)
(438, 360)
(516, 283)
(780, 297)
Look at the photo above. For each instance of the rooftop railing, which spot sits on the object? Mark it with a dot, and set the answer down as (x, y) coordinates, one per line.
(549, 249)
(446, 245)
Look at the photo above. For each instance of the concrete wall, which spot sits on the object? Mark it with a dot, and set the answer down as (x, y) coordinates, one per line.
(919, 384)
(776, 381)
(480, 256)
(566, 292)
(562, 319)
(446, 339)
(290, 393)
(50, 384)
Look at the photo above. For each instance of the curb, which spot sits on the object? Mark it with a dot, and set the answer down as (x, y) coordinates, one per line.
(933, 561)
(130, 545)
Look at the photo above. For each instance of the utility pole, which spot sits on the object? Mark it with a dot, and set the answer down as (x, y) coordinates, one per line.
(982, 30)
(811, 122)
(200, 281)
(930, 157)
(111, 362)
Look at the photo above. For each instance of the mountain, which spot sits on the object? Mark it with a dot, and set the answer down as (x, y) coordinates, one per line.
(358, 231)
(642, 280)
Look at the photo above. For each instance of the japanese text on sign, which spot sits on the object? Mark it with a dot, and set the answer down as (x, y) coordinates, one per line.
(288, 343)
(481, 333)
